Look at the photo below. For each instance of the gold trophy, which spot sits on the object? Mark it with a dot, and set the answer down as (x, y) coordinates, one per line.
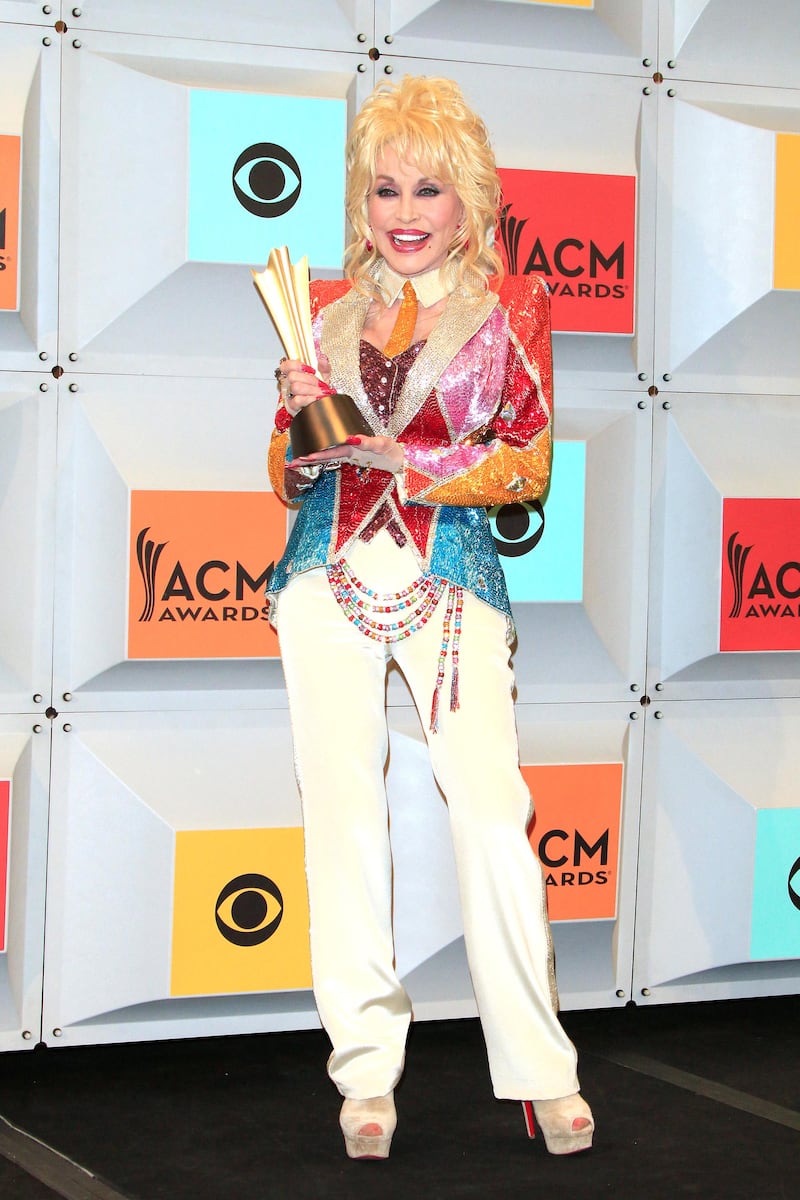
(330, 420)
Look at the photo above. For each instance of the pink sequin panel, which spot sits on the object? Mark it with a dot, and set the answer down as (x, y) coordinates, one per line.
(473, 381)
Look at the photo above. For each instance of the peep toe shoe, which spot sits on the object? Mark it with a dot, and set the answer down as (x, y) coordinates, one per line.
(558, 1120)
(368, 1126)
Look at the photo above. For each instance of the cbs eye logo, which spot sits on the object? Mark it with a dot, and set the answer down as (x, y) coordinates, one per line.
(794, 877)
(520, 528)
(249, 909)
(262, 180)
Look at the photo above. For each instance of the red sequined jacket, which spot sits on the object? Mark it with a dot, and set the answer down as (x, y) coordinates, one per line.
(474, 417)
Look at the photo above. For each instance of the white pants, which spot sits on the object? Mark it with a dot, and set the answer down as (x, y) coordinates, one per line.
(336, 679)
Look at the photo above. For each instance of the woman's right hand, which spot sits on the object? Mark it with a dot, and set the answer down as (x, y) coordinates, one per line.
(300, 386)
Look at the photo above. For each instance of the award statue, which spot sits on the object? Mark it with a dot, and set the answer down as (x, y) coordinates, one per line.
(330, 420)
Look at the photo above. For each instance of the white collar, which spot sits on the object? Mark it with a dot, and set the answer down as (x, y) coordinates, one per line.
(431, 286)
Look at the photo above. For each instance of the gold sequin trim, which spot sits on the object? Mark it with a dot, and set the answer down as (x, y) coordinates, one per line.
(342, 323)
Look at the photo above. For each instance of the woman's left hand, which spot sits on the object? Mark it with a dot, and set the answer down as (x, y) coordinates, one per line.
(382, 453)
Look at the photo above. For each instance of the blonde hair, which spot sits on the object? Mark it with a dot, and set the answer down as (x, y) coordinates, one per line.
(426, 121)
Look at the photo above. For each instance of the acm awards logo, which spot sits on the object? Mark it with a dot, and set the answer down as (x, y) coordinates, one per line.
(569, 857)
(760, 593)
(769, 593)
(575, 834)
(577, 231)
(570, 259)
(199, 564)
(189, 594)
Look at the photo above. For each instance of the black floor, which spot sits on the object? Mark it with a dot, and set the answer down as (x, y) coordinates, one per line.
(690, 1100)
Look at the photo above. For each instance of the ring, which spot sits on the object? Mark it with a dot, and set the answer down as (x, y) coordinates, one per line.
(278, 373)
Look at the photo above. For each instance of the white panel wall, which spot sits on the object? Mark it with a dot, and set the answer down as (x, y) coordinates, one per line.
(614, 36)
(30, 68)
(730, 41)
(324, 24)
(25, 764)
(131, 302)
(119, 434)
(714, 768)
(129, 368)
(721, 323)
(694, 469)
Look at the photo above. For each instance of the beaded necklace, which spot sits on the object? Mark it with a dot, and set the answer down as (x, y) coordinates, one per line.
(389, 617)
(365, 608)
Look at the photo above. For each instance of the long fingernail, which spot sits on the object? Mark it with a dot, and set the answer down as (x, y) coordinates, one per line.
(352, 441)
(309, 370)
(327, 389)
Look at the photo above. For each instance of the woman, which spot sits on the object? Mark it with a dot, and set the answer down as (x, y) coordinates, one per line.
(392, 556)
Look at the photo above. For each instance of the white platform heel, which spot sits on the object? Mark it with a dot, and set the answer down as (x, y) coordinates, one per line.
(368, 1126)
(558, 1120)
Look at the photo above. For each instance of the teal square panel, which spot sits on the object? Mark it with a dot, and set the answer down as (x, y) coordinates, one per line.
(265, 171)
(775, 928)
(541, 545)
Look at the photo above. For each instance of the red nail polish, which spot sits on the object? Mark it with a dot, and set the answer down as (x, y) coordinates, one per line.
(309, 370)
(326, 388)
(352, 441)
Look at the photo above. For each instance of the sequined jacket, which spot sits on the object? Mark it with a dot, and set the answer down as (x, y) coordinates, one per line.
(474, 417)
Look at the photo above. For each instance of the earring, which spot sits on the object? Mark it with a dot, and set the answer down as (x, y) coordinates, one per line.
(368, 246)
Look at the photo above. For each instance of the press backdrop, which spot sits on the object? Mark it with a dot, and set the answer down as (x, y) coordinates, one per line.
(150, 834)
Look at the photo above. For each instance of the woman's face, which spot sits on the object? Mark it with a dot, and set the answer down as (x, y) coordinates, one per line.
(413, 216)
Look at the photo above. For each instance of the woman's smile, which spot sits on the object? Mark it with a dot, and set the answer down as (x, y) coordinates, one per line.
(408, 240)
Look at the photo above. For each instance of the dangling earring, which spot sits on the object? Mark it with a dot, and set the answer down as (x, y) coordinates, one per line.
(368, 246)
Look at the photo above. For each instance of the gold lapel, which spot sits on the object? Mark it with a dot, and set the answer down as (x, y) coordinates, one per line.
(342, 323)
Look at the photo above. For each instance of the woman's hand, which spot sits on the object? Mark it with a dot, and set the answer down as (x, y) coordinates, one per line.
(300, 386)
(382, 453)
